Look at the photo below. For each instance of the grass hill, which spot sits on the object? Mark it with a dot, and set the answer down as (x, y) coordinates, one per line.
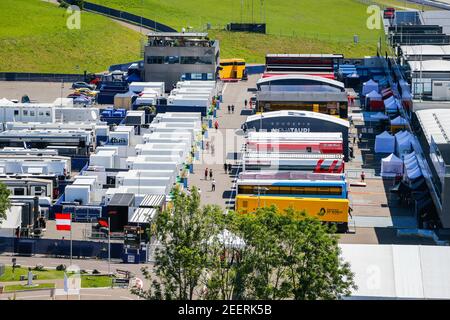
(293, 26)
(34, 38)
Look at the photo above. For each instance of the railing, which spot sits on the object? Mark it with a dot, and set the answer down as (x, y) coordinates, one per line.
(126, 16)
(48, 77)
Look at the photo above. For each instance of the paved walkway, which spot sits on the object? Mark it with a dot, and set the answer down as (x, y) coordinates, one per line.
(226, 141)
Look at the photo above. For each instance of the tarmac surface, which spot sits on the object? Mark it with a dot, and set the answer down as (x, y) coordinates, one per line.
(376, 213)
(42, 92)
(375, 218)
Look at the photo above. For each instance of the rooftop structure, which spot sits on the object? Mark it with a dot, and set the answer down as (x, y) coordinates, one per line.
(170, 55)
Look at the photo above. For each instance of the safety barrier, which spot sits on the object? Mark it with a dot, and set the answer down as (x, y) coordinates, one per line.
(255, 69)
(126, 16)
(41, 77)
(60, 248)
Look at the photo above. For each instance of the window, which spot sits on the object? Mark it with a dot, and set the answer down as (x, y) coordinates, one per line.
(172, 60)
(41, 113)
(19, 191)
(47, 113)
(25, 112)
(155, 60)
(16, 112)
(32, 114)
(197, 60)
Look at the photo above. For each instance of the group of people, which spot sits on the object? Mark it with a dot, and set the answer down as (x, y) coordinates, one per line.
(213, 181)
(231, 108)
(227, 167)
(208, 145)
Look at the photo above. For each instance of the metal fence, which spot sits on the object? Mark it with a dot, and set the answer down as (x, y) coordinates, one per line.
(126, 16)
(2, 269)
(46, 77)
(60, 248)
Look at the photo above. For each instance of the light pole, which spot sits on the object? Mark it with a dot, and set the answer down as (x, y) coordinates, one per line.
(109, 245)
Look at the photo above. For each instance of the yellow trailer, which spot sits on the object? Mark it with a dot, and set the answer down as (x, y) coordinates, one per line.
(326, 210)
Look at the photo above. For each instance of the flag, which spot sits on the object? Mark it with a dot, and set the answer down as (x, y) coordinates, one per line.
(103, 223)
(63, 221)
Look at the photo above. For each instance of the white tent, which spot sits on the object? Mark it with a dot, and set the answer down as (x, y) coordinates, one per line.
(229, 240)
(391, 166)
(5, 102)
(384, 143)
(399, 121)
(391, 104)
(370, 86)
(389, 100)
(373, 95)
(403, 142)
(412, 167)
(379, 116)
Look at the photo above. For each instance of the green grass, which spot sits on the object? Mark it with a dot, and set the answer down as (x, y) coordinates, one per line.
(19, 287)
(293, 26)
(34, 38)
(47, 274)
(88, 281)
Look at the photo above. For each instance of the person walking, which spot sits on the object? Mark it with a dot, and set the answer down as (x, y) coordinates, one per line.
(225, 167)
(245, 103)
(232, 108)
(216, 125)
(207, 145)
(229, 168)
(229, 109)
(363, 176)
(206, 174)
(212, 149)
(210, 174)
(213, 185)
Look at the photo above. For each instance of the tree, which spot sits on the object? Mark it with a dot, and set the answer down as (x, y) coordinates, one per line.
(4, 201)
(264, 255)
(286, 256)
(183, 231)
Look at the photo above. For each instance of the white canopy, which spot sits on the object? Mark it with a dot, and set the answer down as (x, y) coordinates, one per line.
(412, 167)
(380, 116)
(370, 86)
(406, 95)
(384, 143)
(391, 166)
(374, 95)
(403, 142)
(229, 240)
(399, 121)
(391, 104)
(5, 102)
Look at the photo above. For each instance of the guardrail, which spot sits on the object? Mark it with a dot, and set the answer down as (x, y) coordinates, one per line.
(41, 77)
(126, 16)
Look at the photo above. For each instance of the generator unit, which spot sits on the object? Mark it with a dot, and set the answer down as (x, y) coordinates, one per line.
(441, 90)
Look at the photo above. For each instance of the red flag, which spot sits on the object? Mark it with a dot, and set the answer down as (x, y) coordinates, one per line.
(63, 221)
(103, 223)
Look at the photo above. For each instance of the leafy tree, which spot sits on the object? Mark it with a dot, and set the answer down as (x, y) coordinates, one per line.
(183, 231)
(286, 256)
(4, 201)
(266, 255)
